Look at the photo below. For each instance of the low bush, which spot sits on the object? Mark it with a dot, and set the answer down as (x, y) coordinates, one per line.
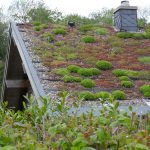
(88, 72)
(37, 28)
(101, 31)
(145, 59)
(69, 78)
(95, 71)
(36, 23)
(61, 71)
(85, 72)
(72, 56)
(85, 28)
(59, 31)
(119, 95)
(44, 26)
(137, 36)
(73, 68)
(87, 95)
(119, 72)
(49, 37)
(145, 90)
(56, 125)
(89, 39)
(103, 95)
(88, 83)
(125, 35)
(127, 84)
(124, 78)
(104, 65)
(147, 35)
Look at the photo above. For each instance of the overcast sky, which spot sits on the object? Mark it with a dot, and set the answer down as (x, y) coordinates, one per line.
(83, 7)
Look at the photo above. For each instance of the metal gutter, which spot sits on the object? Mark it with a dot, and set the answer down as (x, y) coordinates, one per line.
(31, 72)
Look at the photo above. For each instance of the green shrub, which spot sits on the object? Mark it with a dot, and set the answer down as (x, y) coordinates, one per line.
(87, 95)
(88, 83)
(119, 72)
(104, 65)
(49, 37)
(61, 71)
(119, 95)
(72, 56)
(69, 78)
(89, 39)
(124, 78)
(101, 31)
(133, 35)
(85, 28)
(145, 90)
(145, 59)
(103, 95)
(37, 28)
(85, 72)
(36, 23)
(73, 68)
(59, 31)
(44, 26)
(127, 84)
(138, 36)
(94, 71)
(147, 35)
(88, 72)
(125, 35)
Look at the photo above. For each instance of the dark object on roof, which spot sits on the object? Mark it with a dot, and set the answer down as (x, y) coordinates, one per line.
(125, 17)
(71, 24)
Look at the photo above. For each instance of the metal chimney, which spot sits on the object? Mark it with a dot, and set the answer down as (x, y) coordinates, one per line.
(125, 17)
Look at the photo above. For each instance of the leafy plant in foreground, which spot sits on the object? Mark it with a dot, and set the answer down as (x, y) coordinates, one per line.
(54, 126)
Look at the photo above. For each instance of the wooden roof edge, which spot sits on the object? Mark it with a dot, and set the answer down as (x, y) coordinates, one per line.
(30, 70)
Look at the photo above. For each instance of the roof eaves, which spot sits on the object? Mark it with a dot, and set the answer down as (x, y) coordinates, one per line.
(31, 72)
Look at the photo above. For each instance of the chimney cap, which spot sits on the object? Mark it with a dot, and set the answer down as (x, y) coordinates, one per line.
(125, 3)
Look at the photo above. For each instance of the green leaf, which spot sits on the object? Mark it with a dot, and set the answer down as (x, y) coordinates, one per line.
(79, 142)
(130, 108)
(116, 104)
(102, 136)
(141, 147)
(8, 148)
(104, 121)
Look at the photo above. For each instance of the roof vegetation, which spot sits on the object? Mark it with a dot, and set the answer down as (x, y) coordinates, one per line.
(94, 56)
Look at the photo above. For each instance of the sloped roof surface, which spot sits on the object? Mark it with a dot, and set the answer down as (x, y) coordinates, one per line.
(50, 51)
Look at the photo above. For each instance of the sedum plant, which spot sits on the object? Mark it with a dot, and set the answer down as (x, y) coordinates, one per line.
(88, 83)
(104, 65)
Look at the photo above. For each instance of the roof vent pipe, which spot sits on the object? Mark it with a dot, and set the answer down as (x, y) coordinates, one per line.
(125, 3)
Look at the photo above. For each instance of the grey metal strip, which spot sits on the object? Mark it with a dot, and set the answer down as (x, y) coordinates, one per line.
(31, 72)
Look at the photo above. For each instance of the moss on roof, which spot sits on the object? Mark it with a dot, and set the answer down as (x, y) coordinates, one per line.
(67, 47)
